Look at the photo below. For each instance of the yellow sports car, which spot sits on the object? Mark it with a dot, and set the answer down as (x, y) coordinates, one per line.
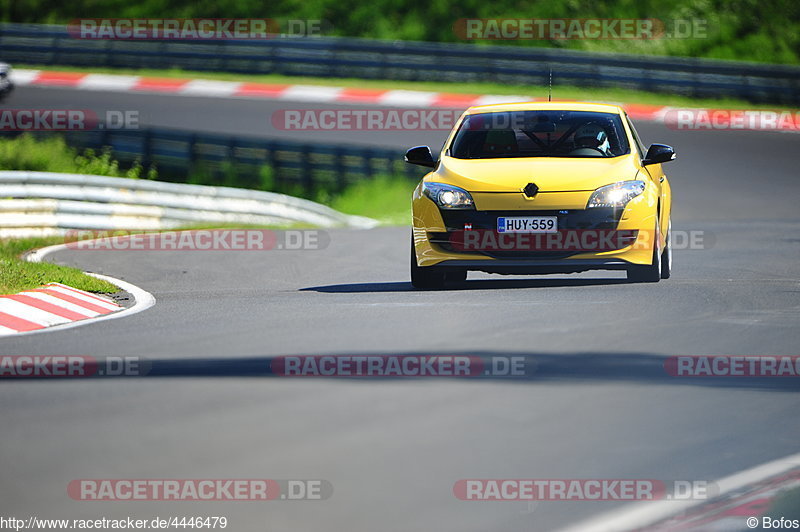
(540, 188)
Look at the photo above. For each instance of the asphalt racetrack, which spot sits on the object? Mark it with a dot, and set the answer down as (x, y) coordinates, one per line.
(598, 405)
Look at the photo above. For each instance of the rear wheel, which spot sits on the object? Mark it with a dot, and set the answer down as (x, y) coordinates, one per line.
(426, 278)
(649, 273)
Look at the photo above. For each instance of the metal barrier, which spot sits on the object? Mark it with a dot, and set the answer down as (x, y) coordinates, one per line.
(375, 59)
(43, 203)
(243, 161)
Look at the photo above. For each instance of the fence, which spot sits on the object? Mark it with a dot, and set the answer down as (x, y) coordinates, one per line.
(42, 204)
(374, 59)
(244, 162)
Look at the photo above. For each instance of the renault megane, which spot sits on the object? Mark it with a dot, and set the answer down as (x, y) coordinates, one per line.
(541, 188)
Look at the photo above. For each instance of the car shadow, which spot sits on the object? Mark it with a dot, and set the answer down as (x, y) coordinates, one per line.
(475, 284)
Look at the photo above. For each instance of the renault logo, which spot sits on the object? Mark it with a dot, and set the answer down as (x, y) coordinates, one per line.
(531, 190)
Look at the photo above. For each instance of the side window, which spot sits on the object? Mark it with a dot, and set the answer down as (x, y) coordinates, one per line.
(639, 145)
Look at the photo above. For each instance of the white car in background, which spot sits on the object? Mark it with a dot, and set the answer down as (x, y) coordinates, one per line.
(6, 85)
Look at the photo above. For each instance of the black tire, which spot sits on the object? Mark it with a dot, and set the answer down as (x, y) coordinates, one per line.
(425, 278)
(648, 273)
(666, 255)
(456, 276)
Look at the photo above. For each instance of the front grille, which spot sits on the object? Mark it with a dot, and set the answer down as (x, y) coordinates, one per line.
(605, 219)
(597, 218)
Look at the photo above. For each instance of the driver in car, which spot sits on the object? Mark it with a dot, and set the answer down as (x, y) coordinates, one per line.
(590, 139)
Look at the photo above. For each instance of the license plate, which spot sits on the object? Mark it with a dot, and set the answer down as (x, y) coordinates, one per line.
(527, 224)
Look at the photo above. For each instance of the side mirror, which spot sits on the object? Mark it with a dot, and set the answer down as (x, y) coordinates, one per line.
(420, 155)
(658, 153)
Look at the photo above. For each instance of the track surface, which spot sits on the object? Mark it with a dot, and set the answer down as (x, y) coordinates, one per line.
(600, 406)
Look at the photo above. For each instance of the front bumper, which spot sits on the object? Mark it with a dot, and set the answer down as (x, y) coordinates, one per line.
(436, 230)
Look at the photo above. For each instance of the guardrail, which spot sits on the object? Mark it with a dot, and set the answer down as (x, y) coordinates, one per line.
(43, 203)
(243, 161)
(399, 60)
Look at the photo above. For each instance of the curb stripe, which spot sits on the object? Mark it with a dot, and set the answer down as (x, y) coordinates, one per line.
(47, 307)
(47, 298)
(309, 93)
(261, 90)
(18, 324)
(52, 305)
(108, 82)
(159, 84)
(76, 301)
(81, 297)
(59, 78)
(85, 294)
(355, 95)
(28, 313)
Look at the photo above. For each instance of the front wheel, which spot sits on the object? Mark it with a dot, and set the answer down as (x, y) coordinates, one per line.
(425, 278)
(649, 273)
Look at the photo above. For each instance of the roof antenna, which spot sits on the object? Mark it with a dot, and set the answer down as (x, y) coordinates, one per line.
(550, 88)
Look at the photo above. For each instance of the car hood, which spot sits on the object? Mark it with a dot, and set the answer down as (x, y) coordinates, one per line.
(551, 174)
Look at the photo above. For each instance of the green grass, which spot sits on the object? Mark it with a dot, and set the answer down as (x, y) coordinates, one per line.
(51, 154)
(386, 199)
(17, 275)
(560, 92)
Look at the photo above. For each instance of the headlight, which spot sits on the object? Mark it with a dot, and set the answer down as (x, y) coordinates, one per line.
(616, 195)
(448, 196)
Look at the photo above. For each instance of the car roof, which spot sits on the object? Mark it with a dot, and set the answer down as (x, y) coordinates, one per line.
(546, 106)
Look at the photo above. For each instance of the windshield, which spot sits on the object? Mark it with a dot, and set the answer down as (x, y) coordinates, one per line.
(540, 134)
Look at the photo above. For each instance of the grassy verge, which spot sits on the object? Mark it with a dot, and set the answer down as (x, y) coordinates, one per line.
(385, 198)
(51, 154)
(17, 275)
(560, 92)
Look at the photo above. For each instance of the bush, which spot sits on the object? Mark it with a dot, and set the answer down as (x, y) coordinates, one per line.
(51, 154)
